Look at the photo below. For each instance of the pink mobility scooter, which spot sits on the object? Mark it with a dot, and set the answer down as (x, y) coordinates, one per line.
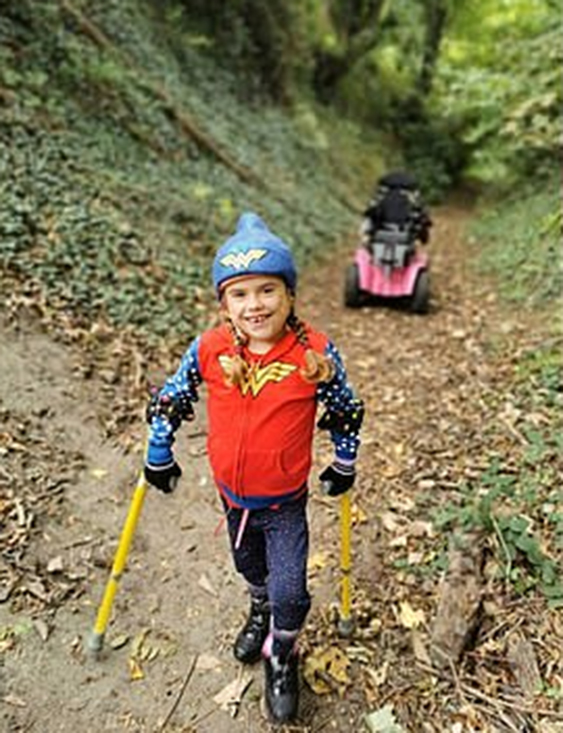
(389, 267)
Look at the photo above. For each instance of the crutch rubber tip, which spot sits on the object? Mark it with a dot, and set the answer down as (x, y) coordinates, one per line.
(94, 643)
(345, 627)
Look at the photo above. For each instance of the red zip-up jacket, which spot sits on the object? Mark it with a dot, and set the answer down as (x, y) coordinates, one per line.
(260, 433)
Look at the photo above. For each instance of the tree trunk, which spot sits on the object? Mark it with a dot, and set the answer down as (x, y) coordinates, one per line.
(436, 17)
(358, 26)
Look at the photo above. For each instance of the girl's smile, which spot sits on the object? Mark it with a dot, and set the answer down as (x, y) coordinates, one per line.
(258, 306)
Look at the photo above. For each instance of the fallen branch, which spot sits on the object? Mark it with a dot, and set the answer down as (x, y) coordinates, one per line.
(189, 127)
(183, 120)
(86, 26)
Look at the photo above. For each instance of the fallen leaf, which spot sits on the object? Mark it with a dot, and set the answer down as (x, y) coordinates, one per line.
(55, 565)
(390, 521)
(37, 589)
(14, 700)
(138, 642)
(118, 641)
(379, 676)
(205, 583)
(135, 670)
(403, 504)
(400, 541)
(418, 528)
(419, 649)
(391, 471)
(415, 558)
(313, 674)
(326, 669)
(357, 515)
(99, 473)
(317, 561)
(148, 653)
(41, 628)
(410, 618)
(230, 697)
(359, 653)
(375, 625)
(7, 644)
(383, 721)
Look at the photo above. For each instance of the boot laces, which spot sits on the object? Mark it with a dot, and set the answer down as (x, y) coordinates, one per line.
(281, 678)
(257, 619)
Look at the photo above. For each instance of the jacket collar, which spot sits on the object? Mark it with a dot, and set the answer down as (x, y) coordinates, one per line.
(279, 349)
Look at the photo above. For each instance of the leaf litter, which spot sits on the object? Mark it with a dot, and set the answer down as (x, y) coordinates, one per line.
(435, 426)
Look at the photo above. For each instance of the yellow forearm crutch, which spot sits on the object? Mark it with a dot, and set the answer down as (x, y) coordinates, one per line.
(95, 641)
(345, 622)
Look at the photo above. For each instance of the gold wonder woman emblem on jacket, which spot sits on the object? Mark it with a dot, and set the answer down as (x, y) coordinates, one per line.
(258, 377)
(242, 260)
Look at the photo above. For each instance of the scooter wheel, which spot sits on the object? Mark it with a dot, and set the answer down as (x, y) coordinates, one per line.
(420, 300)
(353, 296)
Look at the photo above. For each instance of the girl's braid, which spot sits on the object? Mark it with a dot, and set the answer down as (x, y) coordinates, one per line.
(318, 367)
(237, 369)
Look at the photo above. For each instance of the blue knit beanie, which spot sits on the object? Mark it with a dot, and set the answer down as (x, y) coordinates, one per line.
(253, 250)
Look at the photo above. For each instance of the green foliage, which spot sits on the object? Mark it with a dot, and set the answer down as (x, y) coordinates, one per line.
(514, 511)
(266, 44)
(516, 501)
(99, 163)
(503, 83)
(540, 377)
(493, 116)
(382, 90)
(519, 243)
(432, 150)
(111, 209)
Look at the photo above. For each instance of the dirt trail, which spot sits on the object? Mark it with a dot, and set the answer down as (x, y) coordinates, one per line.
(423, 380)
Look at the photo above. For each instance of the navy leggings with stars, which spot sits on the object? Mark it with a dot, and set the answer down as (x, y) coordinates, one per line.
(273, 553)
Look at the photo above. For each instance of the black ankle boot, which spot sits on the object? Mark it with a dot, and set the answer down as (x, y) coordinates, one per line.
(282, 688)
(249, 642)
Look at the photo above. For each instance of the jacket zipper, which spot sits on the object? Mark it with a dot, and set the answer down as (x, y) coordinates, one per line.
(241, 451)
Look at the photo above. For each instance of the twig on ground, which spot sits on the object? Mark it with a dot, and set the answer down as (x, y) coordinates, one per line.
(180, 694)
(494, 702)
(321, 725)
(396, 691)
(80, 542)
(203, 716)
(457, 683)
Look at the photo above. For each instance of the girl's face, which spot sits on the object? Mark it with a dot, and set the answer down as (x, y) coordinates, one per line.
(258, 306)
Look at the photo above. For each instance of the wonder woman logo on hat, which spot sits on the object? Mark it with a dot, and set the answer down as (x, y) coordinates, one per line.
(242, 260)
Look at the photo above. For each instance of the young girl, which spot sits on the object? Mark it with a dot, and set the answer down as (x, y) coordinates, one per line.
(265, 371)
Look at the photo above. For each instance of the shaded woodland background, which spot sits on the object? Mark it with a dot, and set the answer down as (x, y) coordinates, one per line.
(133, 133)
